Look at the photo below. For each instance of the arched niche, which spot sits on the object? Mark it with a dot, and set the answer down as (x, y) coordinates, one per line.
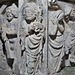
(5, 3)
(8, 2)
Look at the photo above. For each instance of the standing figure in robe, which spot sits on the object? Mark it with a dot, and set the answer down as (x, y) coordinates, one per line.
(34, 48)
(55, 43)
(32, 32)
(9, 35)
(70, 36)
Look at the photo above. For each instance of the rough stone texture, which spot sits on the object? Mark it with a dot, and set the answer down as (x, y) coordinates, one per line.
(4, 68)
(37, 37)
(68, 71)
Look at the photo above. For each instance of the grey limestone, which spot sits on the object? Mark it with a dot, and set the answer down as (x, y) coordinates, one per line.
(37, 37)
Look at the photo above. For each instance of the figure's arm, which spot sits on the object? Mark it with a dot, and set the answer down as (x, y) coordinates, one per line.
(4, 29)
(53, 27)
(61, 26)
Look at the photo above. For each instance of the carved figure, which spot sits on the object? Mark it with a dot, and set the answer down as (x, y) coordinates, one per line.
(69, 35)
(42, 41)
(72, 22)
(32, 33)
(34, 48)
(9, 34)
(30, 14)
(55, 44)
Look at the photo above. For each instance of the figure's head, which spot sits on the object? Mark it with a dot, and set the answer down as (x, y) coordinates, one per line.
(52, 1)
(72, 14)
(37, 27)
(30, 11)
(11, 12)
(68, 10)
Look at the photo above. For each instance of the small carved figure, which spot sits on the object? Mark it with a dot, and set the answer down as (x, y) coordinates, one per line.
(9, 35)
(34, 48)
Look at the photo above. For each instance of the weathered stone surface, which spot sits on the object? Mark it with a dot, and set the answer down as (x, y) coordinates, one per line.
(37, 37)
(4, 68)
(68, 71)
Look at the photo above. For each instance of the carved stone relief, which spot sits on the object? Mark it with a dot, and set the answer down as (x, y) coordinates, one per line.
(37, 37)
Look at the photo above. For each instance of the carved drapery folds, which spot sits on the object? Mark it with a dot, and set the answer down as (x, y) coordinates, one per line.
(37, 37)
(56, 30)
(33, 34)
